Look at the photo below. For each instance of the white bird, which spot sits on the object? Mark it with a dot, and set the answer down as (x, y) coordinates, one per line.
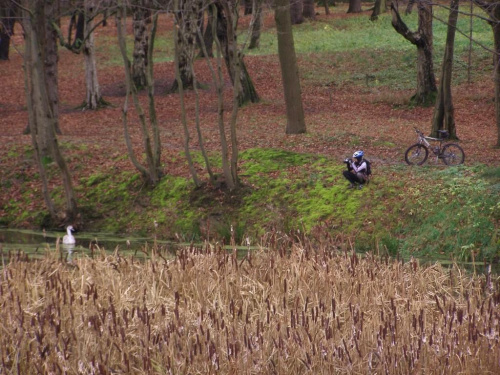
(69, 239)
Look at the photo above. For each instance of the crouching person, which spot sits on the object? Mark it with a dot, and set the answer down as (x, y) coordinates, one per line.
(357, 170)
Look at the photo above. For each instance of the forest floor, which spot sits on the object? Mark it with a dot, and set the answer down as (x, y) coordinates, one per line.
(340, 117)
(367, 112)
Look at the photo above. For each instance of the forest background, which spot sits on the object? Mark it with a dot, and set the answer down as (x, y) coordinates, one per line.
(357, 77)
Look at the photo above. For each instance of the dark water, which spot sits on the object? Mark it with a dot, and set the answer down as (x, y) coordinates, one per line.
(36, 243)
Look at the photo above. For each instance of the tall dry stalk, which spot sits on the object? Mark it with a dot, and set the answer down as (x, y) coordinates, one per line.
(295, 308)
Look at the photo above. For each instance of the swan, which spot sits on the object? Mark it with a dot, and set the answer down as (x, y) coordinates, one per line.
(69, 239)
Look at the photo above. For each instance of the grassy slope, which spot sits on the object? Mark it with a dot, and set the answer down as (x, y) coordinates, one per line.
(419, 211)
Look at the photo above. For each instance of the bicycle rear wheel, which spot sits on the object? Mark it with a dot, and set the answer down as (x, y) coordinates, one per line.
(416, 154)
(452, 154)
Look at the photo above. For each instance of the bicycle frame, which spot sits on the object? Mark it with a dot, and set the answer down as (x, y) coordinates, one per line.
(448, 153)
(422, 139)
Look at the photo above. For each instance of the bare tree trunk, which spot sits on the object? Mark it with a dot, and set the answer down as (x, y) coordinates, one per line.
(200, 26)
(496, 34)
(219, 84)
(354, 6)
(140, 16)
(207, 37)
(186, 41)
(51, 60)
(28, 68)
(180, 23)
(308, 11)
(422, 39)
(226, 34)
(443, 118)
(151, 173)
(378, 9)
(289, 69)
(93, 98)
(296, 8)
(492, 8)
(83, 21)
(257, 24)
(227, 159)
(6, 29)
(248, 7)
(426, 80)
(43, 122)
(156, 152)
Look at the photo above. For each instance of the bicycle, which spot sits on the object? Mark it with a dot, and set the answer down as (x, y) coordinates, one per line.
(450, 153)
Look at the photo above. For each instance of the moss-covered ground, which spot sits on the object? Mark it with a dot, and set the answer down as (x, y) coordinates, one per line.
(434, 211)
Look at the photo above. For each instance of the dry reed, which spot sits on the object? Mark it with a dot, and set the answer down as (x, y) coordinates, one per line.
(296, 308)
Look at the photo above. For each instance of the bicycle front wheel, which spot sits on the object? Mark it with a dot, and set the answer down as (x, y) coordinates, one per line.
(452, 154)
(416, 154)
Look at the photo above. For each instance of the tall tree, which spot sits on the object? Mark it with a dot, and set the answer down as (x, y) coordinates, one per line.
(51, 8)
(444, 113)
(180, 23)
(378, 8)
(7, 19)
(354, 6)
(52, 57)
(81, 39)
(256, 24)
(227, 21)
(93, 96)
(422, 39)
(229, 147)
(207, 37)
(492, 9)
(308, 11)
(151, 172)
(289, 69)
(248, 7)
(296, 9)
(185, 34)
(141, 17)
(37, 14)
(326, 5)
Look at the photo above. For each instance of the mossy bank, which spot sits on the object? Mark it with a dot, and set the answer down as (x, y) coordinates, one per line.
(433, 211)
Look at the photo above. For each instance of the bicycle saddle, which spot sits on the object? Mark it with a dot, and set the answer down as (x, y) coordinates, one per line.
(443, 134)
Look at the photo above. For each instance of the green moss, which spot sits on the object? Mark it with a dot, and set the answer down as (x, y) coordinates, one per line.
(12, 154)
(268, 160)
(170, 191)
(95, 179)
(454, 211)
(297, 191)
(437, 212)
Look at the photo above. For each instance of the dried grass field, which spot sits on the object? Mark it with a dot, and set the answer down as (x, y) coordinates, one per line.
(294, 308)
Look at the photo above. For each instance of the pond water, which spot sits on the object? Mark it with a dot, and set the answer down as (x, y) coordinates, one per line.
(35, 243)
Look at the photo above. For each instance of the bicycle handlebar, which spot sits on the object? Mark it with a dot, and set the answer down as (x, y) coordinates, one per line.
(418, 131)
